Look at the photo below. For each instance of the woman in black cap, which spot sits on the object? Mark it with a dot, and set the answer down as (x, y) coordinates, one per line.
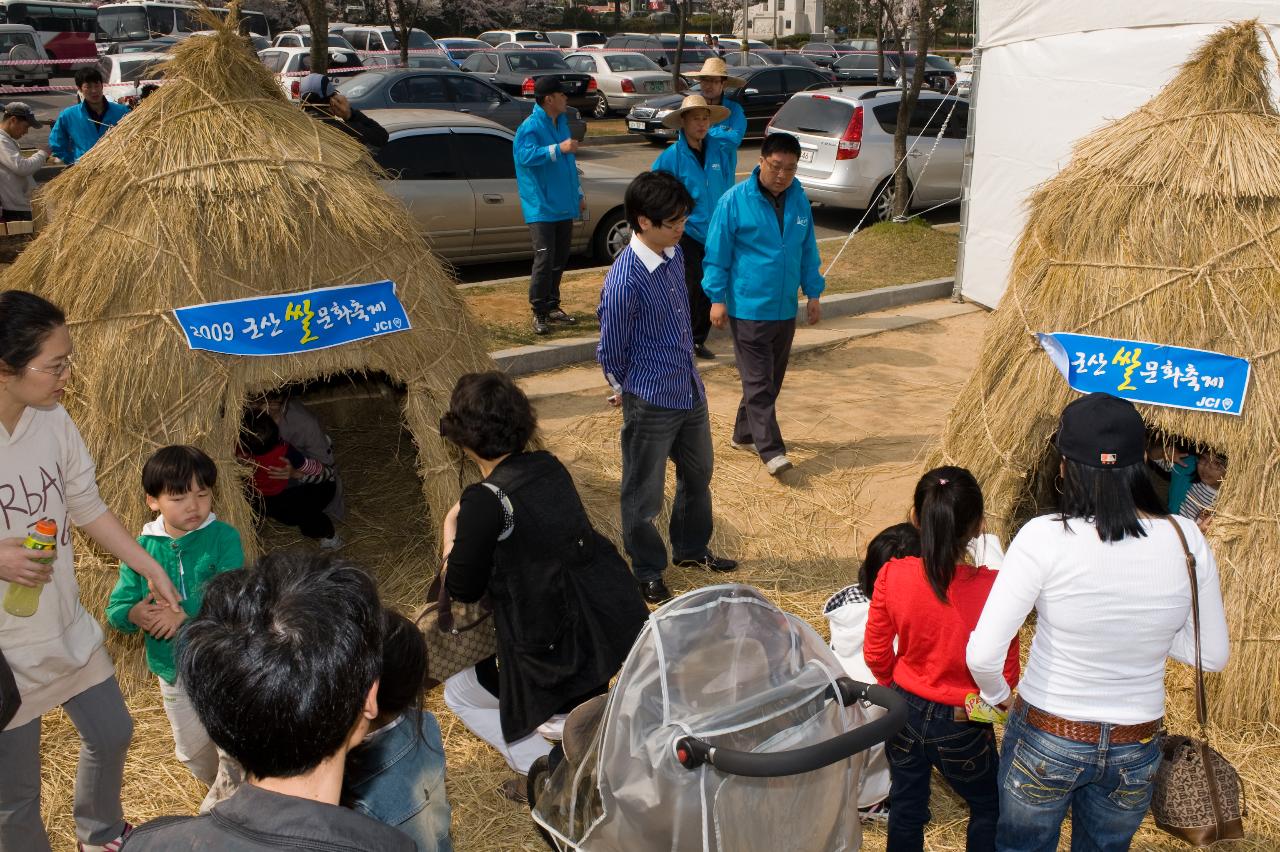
(1107, 576)
(321, 100)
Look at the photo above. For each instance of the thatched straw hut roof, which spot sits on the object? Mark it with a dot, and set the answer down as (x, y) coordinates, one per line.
(1164, 227)
(217, 188)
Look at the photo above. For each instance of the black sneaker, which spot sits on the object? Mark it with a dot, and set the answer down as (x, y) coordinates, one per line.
(655, 591)
(559, 317)
(541, 325)
(701, 351)
(710, 562)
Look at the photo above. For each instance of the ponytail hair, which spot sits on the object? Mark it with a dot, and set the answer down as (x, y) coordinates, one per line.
(948, 510)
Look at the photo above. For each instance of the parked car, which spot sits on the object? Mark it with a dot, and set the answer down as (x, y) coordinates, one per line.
(123, 74)
(662, 49)
(964, 78)
(820, 53)
(730, 44)
(21, 43)
(846, 146)
(302, 38)
(290, 65)
(515, 71)
(456, 175)
(155, 45)
(761, 58)
(493, 38)
(622, 79)
(544, 46)
(458, 49)
(859, 69)
(388, 38)
(765, 91)
(576, 39)
(417, 59)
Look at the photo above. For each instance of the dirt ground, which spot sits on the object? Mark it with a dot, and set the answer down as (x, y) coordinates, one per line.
(858, 418)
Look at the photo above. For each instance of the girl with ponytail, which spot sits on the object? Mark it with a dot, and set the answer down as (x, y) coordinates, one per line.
(923, 609)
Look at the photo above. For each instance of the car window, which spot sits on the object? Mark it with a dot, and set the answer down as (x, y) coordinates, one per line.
(581, 63)
(587, 39)
(799, 79)
(274, 60)
(814, 116)
(530, 61)
(467, 90)
(359, 85)
(485, 156)
(926, 119)
(958, 126)
(139, 70)
(766, 83)
(427, 156)
(560, 39)
(419, 89)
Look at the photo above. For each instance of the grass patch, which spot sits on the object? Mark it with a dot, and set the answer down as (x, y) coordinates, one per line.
(880, 256)
(606, 127)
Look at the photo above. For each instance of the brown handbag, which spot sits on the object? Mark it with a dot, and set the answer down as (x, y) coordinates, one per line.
(1198, 797)
(458, 635)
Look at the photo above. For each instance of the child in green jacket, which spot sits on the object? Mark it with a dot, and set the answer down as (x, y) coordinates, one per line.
(193, 546)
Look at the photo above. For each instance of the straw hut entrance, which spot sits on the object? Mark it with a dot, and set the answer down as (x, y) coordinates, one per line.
(1164, 227)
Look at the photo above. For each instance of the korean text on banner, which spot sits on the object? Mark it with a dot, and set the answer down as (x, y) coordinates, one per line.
(292, 323)
(1150, 372)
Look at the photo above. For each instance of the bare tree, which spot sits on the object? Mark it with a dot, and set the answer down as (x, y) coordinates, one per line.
(897, 16)
(684, 11)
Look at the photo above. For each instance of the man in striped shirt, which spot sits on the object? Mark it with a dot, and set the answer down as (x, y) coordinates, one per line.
(646, 351)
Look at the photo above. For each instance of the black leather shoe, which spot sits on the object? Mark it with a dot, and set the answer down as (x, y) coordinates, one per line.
(655, 591)
(701, 351)
(710, 562)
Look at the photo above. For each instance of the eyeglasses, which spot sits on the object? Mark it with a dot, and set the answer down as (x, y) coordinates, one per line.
(63, 370)
(778, 169)
(674, 224)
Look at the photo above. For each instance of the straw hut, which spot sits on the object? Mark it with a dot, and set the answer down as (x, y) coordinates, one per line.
(1164, 227)
(217, 188)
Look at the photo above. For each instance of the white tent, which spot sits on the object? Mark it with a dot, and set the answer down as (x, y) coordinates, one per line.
(1051, 72)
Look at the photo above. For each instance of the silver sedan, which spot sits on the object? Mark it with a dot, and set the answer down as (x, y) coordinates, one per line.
(456, 175)
(622, 79)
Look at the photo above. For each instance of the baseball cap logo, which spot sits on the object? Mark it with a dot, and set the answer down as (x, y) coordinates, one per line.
(1107, 458)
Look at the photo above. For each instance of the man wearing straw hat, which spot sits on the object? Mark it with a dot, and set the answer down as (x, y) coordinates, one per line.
(705, 164)
(17, 173)
(713, 79)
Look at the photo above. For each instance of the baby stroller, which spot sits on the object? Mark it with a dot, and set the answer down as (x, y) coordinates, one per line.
(731, 728)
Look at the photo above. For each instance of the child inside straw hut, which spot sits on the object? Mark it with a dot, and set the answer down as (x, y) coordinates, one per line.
(396, 775)
(193, 547)
(1200, 498)
(846, 612)
(922, 612)
(292, 488)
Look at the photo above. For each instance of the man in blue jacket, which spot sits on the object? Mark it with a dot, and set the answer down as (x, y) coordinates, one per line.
(550, 195)
(713, 79)
(79, 127)
(705, 164)
(761, 249)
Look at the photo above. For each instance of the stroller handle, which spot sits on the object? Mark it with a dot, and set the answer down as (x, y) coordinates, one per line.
(692, 752)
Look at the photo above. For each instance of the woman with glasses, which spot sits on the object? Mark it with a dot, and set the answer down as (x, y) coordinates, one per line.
(56, 653)
(564, 605)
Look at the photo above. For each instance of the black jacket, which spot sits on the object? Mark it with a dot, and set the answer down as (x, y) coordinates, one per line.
(359, 126)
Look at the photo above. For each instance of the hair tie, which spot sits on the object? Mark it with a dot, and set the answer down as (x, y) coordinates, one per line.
(942, 481)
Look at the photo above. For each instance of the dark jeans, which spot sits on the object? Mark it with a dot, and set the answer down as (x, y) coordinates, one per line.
(302, 506)
(551, 241)
(965, 754)
(650, 436)
(1107, 787)
(699, 304)
(762, 348)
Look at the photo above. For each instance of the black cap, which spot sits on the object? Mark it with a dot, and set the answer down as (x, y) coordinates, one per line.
(548, 84)
(1101, 430)
(17, 109)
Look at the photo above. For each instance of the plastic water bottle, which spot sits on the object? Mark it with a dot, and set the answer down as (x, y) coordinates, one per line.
(23, 601)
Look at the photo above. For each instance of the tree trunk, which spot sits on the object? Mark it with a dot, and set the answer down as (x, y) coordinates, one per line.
(683, 17)
(907, 106)
(318, 17)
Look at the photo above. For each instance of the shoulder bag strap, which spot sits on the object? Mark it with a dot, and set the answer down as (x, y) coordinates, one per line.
(1202, 705)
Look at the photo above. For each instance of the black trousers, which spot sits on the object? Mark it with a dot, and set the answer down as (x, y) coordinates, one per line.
(762, 348)
(699, 304)
(551, 241)
(302, 506)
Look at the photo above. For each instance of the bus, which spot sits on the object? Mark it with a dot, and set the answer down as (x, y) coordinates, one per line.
(66, 29)
(140, 20)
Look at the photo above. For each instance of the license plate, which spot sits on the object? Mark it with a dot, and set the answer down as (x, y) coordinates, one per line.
(635, 125)
(655, 87)
(806, 155)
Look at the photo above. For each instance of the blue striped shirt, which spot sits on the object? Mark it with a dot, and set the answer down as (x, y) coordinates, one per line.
(646, 345)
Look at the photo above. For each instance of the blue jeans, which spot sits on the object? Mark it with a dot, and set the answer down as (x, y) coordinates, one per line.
(963, 752)
(651, 435)
(1107, 787)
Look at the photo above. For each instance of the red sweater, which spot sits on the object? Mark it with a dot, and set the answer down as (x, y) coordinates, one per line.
(930, 658)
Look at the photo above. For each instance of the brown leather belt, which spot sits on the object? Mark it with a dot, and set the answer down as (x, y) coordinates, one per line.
(1087, 732)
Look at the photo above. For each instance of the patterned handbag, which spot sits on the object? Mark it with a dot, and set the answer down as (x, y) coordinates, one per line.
(458, 635)
(1198, 797)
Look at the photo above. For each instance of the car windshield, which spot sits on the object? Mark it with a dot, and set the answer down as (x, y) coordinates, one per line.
(418, 40)
(122, 24)
(585, 39)
(8, 41)
(337, 59)
(141, 69)
(528, 35)
(530, 61)
(359, 85)
(631, 62)
(934, 63)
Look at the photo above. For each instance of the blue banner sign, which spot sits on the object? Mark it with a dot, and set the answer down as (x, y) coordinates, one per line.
(1150, 372)
(294, 322)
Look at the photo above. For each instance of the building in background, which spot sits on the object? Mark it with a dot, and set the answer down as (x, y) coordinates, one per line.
(783, 18)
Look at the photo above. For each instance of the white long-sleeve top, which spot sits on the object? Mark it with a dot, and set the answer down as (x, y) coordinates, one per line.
(1108, 615)
(17, 174)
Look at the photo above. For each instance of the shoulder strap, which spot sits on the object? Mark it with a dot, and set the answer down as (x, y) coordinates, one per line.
(1202, 705)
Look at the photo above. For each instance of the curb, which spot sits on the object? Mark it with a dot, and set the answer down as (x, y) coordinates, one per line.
(590, 141)
(523, 360)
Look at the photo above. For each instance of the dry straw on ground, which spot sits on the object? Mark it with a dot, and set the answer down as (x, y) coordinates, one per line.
(1164, 227)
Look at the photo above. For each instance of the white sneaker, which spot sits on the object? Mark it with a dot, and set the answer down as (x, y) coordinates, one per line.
(331, 543)
(777, 465)
(748, 446)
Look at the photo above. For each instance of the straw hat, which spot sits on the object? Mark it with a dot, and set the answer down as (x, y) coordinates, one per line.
(675, 118)
(716, 67)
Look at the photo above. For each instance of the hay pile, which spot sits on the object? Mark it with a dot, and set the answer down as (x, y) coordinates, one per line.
(1164, 227)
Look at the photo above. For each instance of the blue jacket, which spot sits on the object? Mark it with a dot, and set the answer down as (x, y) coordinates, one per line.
(397, 778)
(752, 266)
(706, 184)
(75, 131)
(547, 179)
(733, 126)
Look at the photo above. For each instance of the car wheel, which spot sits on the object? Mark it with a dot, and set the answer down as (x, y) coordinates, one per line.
(611, 237)
(882, 200)
(602, 106)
